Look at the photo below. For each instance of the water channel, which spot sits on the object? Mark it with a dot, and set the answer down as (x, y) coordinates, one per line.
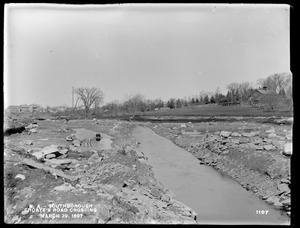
(216, 199)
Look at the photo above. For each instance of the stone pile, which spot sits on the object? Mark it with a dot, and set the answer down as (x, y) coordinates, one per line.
(220, 142)
(32, 128)
(75, 142)
(222, 149)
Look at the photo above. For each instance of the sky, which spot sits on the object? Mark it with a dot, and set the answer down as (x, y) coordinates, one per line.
(157, 50)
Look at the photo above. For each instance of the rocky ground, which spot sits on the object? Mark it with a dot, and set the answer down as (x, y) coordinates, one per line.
(53, 174)
(256, 155)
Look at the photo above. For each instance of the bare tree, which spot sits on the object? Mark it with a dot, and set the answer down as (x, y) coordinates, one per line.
(244, 89)
(233, 88)
(134, 103)
(277, 82)
(272, 101)
(90, 96)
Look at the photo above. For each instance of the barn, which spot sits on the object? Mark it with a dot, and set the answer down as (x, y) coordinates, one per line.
(258, 94)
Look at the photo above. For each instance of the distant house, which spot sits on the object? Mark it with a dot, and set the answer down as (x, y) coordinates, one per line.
(13, 108)
(258, 94)
(24, 108)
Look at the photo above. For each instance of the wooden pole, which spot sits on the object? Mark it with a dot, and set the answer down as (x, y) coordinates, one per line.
(72, 96)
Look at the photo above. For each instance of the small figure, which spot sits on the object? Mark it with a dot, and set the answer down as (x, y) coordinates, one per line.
(98, 137)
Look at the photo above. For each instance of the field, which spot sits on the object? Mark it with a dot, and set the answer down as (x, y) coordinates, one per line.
(218, 110)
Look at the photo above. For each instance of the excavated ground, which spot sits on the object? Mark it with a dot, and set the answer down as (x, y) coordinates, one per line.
(56, 172)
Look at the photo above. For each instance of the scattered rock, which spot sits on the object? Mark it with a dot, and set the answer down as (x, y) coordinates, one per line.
(49, 156)
(236, 134)
(46, 150)
(268, 147)
(259, 147)
(94, 158)
(33, 130)
(20, 176)
(166, 198)
(245, 134)
(257, 141)
(289, 137)
(61, 161)
(272, 135)
(76, 143)
(65, 187)
(288, 149)
(270, 131)
(252, 146)
(63, 151)
(235, 141)
(73, 148)
(29, 142)
(278, 144)
(286, 202)
(104, 212)
(183, 126)
(283, 188)
(272, 200)
(284, 180)
(225, 134)
(30, 126)
(69, 138)
(57, 172)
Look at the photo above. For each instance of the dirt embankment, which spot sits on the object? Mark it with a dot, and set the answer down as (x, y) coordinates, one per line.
(51, 175)
(255, 155)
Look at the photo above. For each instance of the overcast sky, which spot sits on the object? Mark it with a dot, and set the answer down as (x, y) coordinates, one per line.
(160, 51)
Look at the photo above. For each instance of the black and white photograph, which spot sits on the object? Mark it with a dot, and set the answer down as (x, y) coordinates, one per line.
(147, 114)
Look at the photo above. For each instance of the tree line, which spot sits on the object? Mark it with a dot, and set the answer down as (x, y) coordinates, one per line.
(237, 93)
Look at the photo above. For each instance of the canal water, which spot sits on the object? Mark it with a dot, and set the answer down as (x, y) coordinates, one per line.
(216, 199)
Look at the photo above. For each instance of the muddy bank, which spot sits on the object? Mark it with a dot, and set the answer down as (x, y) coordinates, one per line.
(249, 153)
(217, 199)
(59, 173)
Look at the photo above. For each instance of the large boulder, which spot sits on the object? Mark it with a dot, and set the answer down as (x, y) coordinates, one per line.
(46, 150)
